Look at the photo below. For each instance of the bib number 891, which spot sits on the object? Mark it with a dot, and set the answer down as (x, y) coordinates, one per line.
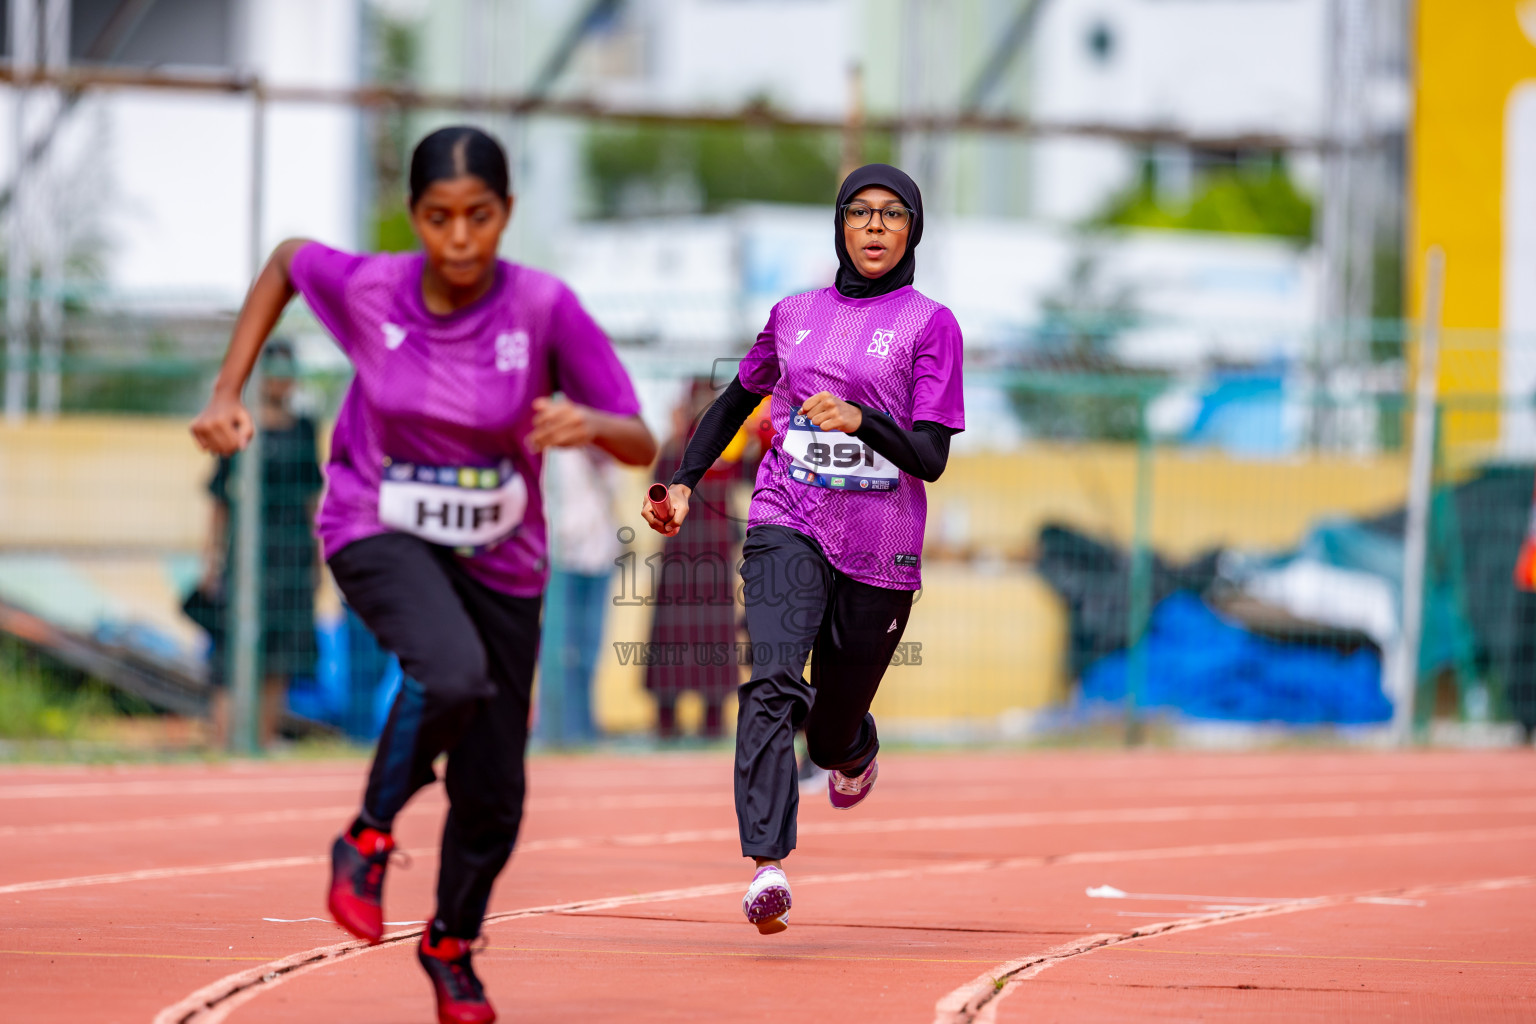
(841, 456)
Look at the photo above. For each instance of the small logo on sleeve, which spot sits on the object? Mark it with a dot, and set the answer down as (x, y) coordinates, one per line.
(394, 335)
(907, 560)
(801, 336)
(880, 344)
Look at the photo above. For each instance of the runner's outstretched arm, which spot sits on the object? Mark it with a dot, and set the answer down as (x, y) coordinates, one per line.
(558, 423)
(225, 425)
(716, 428)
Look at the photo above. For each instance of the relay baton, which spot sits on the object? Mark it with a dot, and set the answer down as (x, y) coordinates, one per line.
(661, 501)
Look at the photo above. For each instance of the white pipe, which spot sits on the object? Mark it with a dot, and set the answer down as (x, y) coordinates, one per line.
(1421, 473)
(18, 256)
(52, 241)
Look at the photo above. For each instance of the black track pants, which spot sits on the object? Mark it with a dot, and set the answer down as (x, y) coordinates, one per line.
(797, 604)
(467, 653)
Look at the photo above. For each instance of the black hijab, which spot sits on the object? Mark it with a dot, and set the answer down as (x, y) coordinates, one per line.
(850, 282)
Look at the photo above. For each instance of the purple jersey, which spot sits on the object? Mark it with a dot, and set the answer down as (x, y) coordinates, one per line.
(899, 353)
(444, 403)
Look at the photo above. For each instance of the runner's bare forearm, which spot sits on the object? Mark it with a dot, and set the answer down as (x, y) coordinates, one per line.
(626, 438)
(269, 295)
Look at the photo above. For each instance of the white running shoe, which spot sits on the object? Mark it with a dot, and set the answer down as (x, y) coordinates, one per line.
(845, 792)
(767, 901)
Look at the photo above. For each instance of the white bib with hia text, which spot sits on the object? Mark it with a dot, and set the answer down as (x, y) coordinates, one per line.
(468, 508)
(833, 459)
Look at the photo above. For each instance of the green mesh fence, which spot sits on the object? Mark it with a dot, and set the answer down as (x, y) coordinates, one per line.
(1222, 546)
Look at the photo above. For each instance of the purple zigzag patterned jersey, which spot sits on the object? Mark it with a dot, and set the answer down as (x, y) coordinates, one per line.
(440, 393)
(899, 353)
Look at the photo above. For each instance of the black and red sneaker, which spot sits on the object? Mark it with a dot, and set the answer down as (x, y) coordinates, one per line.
(357, 882)
(460, 996)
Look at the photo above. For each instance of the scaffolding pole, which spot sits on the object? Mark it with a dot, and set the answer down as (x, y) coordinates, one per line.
(1421, 479)
(51, 199)
(245, 625)
(18, 269)
(756, 114)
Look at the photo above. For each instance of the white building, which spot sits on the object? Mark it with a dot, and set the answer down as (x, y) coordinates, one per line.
(156, 186)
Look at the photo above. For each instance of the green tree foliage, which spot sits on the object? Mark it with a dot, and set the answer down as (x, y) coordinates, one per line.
(161, 379)
(1073, 387)
(394, 52)
(1248, 199)
(647, 170)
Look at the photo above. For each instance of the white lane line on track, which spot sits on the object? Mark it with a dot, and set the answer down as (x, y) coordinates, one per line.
(890, 825)
(1490, 805)
(1225, 784)
(343, 813)
(339, 814)
(1109, 892)
(297, 784)
(1030, 819)
(977, 1000)
(212, 1003)
(153, 874)
(1038, 819)
(181, 787)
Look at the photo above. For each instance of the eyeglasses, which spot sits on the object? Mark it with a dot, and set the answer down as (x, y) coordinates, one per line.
(895, 218)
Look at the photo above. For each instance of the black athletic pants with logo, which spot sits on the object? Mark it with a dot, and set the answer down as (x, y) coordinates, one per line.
(798, 605)
(467, 653)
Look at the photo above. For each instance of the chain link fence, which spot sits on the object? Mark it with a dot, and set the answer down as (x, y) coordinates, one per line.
(1203, 550)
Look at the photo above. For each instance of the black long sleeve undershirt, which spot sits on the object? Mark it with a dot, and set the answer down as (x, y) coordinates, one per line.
(922, 452)
(716, 428)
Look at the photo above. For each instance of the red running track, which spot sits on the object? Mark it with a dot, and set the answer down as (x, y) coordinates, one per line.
(1292, 887)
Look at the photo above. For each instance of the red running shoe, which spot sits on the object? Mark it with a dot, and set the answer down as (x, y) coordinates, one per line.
(460, 996)
(357, 882)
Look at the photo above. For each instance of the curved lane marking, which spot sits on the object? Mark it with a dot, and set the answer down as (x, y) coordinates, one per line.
(976, 1001)
(212, 1003)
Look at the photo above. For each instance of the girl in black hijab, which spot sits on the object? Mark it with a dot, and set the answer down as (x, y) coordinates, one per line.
(865, 379)
(850, 281)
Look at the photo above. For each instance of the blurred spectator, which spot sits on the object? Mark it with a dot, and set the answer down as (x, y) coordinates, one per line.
(580, 487)
(1521, 673)
(291, 483)
(696, 615)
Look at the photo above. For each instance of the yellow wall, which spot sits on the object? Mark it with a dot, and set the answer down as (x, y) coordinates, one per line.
(993, 634)
(1200, 499)
(102, 482)
(1471, 54)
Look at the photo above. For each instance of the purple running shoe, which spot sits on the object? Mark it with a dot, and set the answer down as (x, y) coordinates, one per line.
(767, 901)
(845, 792)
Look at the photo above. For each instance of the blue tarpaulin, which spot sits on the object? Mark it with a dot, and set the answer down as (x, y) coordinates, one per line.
(1205, 667)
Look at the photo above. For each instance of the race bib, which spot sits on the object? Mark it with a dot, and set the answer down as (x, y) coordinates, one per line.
(468, 508)
(833, 459)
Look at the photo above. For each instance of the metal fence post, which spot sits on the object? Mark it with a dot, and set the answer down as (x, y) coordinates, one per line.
(554, 658)
(1140, 597)
(1420, 494)
(18, 291)
(245, 626)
